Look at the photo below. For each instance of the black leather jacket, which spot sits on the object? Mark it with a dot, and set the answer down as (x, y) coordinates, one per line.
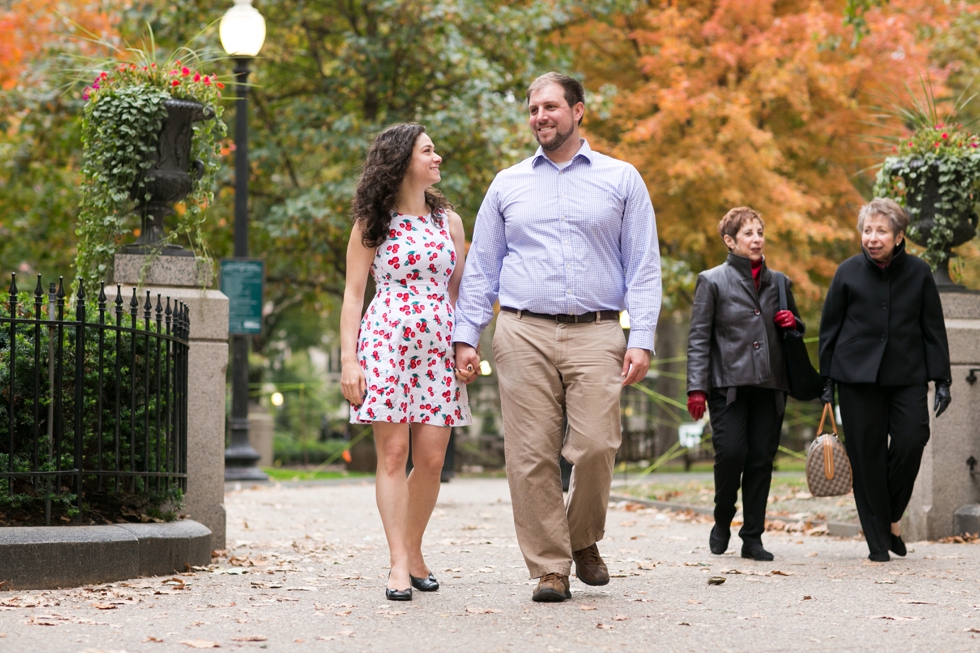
(733, 339)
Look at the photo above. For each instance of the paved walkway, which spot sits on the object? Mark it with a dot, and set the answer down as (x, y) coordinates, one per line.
(306, 570)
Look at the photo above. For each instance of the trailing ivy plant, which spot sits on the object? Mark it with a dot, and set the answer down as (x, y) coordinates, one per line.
(121, 121)
(932, 149)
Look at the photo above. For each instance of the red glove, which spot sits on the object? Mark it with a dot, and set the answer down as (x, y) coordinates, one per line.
(695, 403)
(785, 319)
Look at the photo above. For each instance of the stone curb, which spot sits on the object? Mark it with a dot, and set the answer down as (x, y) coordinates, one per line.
(836, 529)
(52, 557)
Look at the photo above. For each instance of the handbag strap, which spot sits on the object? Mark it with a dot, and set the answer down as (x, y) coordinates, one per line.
(781, 284)
(828, 459)
(827, 410)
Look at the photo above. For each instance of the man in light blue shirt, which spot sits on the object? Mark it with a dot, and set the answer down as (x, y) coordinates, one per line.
(564, 240)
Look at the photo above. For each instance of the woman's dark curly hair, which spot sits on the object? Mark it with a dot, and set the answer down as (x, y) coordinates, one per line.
(388, 159)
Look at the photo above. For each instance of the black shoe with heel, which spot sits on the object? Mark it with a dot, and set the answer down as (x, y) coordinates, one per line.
(717, 542)
(756, 552)
(427, 584)
(897, 545)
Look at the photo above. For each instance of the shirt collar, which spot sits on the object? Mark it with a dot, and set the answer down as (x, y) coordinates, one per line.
(584, 151)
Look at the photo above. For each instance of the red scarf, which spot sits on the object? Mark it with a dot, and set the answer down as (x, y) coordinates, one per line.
(756, 271)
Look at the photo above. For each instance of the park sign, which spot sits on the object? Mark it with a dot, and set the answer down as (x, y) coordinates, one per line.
(241, 281)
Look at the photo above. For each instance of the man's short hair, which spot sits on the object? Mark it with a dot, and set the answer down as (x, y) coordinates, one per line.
(898, 218)
(735, 219)
(574, 91)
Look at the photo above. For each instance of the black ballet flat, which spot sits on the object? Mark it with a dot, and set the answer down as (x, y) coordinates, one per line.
(428, 584)
(398, 595)
(716, 543)
(879, 556)
(897, 545)
(756, 552)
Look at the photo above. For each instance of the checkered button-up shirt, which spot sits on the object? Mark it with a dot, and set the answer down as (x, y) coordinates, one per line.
(566, 239)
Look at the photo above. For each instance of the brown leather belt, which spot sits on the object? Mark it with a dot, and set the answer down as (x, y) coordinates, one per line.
(595, 316)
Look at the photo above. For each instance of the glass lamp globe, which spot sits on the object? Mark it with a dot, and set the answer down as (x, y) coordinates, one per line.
(242, 30)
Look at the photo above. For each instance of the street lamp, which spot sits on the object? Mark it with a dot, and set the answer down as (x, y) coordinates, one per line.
(242, 31)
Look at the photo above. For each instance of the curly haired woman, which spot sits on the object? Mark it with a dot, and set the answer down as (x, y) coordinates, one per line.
(398, 365)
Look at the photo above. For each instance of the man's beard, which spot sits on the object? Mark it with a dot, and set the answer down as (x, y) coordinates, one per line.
(557, 141)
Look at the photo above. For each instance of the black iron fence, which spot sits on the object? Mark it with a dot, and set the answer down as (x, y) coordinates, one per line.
(94, 409)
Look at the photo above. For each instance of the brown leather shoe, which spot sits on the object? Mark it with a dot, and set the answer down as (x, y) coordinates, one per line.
(589, 566)
(552, 588)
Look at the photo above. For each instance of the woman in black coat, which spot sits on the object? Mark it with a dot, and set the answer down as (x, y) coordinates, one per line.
(735, 365)
(882, 339)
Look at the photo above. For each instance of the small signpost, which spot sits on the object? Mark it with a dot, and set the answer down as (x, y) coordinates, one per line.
(241, 281)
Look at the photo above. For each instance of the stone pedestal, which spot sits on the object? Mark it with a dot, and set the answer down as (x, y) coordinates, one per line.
(945, 484)
(261, 431)
(183, 278)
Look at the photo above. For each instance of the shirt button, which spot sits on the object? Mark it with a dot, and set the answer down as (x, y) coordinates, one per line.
(755, 345)
(562, 217)
(884, 306)
(883, 337)
(757, 311)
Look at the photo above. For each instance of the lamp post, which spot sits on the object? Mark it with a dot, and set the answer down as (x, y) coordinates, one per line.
(242, 33)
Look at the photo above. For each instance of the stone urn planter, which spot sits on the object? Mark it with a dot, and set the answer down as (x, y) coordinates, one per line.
(170, 177)
(959, 223)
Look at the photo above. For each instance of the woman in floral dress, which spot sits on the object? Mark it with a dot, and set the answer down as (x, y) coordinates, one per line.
(398, 362)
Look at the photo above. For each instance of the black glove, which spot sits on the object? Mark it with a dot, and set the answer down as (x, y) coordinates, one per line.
(827, 396)
(942, 397)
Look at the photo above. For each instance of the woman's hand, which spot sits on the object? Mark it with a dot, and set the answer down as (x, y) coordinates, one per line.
(695, 404)
(352, 383)
(827, 396)
(467, 362)
(943, 398)
(785, 319)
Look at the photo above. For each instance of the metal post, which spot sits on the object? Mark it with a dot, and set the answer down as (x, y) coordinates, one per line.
(240, 457)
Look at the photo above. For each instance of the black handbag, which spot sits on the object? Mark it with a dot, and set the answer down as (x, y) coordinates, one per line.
(805, 383)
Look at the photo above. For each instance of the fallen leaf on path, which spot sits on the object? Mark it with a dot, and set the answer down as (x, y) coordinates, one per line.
(965, 630)
(473, 610)
(621, 617)
(587, 607)
(325, 638)
(884, 582)
(918, 602)
(342, 613)
(683, 623)
(250, 638)
(199, 643)
(807, 598)
(892, 617)
(812, 554)
(716, 580)
(604, 626)
(175, 583)
(2, 635)
(776, 572)
(104, 606)
(646, 565)
(155, 640)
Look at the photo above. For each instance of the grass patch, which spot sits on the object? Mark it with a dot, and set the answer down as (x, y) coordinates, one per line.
(285, 474)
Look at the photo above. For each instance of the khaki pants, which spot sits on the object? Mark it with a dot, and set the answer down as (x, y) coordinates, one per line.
(546, 371)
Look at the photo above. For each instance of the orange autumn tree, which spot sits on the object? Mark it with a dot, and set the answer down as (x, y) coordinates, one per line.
(721, 103)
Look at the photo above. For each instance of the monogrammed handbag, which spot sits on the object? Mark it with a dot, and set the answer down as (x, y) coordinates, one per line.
(828, 471)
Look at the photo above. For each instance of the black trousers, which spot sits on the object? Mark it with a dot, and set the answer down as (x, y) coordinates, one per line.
(745, 436)
(884, 473)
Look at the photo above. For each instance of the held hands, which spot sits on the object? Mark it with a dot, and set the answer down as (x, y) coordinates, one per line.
(785, 319)
(695, 404)
(352, 383)
(636, 364)
(467, 363)
(942, 398)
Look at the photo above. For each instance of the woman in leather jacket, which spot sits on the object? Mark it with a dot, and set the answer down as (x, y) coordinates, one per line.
(882, 339)
(735, 365)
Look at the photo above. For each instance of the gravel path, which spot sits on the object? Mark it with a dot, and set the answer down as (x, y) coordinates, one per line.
(306, 570)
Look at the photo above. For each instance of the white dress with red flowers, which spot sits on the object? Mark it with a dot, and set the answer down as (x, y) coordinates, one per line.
(405, 342)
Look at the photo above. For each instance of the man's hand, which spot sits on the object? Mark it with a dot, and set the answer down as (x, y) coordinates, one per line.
(636, 364)
(467, 363)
